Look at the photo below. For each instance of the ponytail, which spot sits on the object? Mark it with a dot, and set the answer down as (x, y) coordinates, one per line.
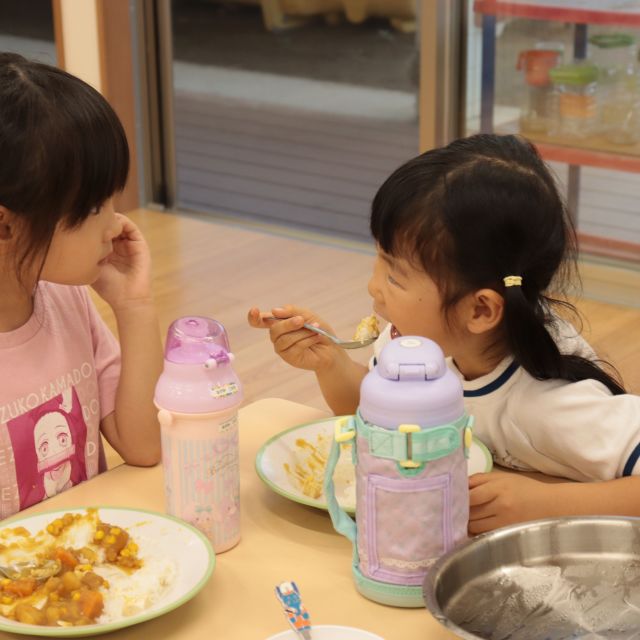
(536, 351)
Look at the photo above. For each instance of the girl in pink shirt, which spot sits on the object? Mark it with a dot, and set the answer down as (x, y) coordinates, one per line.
(64, 379)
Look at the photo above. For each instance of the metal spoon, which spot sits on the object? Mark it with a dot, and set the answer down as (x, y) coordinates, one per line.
(20, 570)
(345, 344)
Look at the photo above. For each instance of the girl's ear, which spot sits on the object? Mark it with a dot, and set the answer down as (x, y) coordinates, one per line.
(6, 224)
(484, 311)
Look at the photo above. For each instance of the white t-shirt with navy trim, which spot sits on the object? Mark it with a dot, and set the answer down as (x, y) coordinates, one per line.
(575, 430)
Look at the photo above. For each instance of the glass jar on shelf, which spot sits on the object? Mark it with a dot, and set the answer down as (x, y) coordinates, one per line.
(575, 100)
(535, 111)
(615, 55)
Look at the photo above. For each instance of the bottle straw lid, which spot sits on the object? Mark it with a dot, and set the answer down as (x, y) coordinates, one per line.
(194, 340)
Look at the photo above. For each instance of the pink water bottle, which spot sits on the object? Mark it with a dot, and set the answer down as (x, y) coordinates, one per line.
(198, 395)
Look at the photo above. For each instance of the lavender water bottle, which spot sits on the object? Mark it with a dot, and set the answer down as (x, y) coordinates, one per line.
(198, 395)
(410, 439)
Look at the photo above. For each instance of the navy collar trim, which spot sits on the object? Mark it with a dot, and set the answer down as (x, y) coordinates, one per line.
(496, 384)
(631, 462)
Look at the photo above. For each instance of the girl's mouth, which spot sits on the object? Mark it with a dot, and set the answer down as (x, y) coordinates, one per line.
(394, 332)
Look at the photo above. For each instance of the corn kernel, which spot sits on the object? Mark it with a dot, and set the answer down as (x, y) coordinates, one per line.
(115, 531)
(110, 539)
(106, 584)
(53, 596)
(84, 567)
(99, 535)
(125, 553)
(6, 600)
(75, 595)
(133, 547)
(5, 582)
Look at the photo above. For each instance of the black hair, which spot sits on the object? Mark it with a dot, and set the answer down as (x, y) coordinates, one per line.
(478, 210)
(63, 150)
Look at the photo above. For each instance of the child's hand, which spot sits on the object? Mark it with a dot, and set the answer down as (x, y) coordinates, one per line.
(126, 276)
(500, 498)
(296, 345)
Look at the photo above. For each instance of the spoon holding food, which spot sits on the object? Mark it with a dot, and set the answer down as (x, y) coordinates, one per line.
(366, 333)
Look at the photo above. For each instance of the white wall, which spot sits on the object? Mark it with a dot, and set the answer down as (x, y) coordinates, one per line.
(80, 38)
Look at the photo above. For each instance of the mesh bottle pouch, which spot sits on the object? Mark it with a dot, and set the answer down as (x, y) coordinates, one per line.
(410, 439)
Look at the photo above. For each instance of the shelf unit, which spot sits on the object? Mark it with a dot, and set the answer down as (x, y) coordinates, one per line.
(593, 151)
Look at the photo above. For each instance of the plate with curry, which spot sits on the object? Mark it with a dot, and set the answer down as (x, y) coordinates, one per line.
(292, 464)
(92, 570)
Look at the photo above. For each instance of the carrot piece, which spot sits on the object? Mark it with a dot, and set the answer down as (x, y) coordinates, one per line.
(66, 557)
(91, 604)
(21, 587)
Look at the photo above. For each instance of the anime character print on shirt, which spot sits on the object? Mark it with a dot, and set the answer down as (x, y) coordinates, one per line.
(48, 445)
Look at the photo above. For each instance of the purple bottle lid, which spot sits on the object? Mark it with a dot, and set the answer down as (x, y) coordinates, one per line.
(197, 377)
(411, 384)
(195, 340)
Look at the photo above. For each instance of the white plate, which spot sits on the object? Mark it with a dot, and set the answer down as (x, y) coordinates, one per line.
(281, 448)
(191, 551)
(329, 632)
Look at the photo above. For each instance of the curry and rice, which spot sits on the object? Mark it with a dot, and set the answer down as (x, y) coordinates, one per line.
(78, 571)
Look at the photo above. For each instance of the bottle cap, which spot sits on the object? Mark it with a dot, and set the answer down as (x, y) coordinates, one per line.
(411, 384)
(195, 340)
(197, 377)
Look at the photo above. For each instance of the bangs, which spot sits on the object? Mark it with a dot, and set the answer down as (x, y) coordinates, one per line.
(68, 149)
(93, 154)
(406, 220)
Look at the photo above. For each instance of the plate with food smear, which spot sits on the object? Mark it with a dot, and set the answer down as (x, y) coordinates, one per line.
(92, 570)
(292, 463)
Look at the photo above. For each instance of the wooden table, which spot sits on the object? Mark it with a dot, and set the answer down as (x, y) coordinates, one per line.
(281, 540)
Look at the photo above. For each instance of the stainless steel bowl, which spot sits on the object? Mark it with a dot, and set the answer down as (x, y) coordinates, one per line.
(543, 580)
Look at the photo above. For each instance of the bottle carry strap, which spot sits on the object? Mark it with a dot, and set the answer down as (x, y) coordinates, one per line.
(342, 521)
(410, 443)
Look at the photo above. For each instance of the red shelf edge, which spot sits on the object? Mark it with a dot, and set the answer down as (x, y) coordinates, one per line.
(556, 14)
(588, 157)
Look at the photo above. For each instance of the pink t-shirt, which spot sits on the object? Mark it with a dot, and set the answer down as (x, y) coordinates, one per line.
(59, 374)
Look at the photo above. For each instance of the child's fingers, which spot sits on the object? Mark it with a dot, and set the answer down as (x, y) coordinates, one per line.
(287, 333)
(129, 230)
(478, 479)
(298, 341)
(483, 525)
(485, 510)
(481, 494)
(290, 311)
(280, 328)
(259, 319)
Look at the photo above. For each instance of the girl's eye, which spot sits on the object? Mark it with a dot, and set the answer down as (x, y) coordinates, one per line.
(392, 280)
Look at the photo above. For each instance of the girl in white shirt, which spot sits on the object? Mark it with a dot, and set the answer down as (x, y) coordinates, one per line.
(470, 240)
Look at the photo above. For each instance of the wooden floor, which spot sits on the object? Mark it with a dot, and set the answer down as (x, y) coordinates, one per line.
(213, 268)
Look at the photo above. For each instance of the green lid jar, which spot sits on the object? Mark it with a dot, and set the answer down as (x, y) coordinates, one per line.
(612, 40)
(615, 55)
(574, 75)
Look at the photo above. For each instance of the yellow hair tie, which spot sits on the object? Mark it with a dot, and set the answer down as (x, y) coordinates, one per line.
(512, 281)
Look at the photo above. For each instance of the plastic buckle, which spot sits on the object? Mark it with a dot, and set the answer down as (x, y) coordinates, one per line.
(408, 429)
(340, 434)
(467, 438)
